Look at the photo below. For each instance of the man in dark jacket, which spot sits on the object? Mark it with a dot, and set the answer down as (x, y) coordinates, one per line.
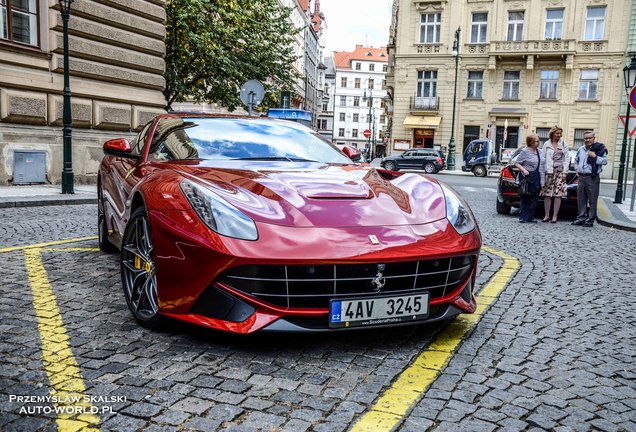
(589, 160)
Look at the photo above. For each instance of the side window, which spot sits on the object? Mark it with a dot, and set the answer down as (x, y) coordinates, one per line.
(408, 154)
(137, 143)
(475, 147)
(172, 142)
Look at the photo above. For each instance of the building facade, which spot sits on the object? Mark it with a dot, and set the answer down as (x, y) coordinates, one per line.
(359, 98)
(116, 79)
(523, 67)
(630, 144)
(325, 114)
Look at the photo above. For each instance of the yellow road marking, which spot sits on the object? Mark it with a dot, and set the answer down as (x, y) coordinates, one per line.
(71, 249)
(43, 245)
(61, 367)
(389, 411)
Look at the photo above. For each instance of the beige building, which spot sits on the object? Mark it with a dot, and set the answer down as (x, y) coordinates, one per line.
(524, 66)
(116, 78)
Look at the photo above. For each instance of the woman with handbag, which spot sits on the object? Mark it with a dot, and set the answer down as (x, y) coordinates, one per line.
(528, 163)
(557, 161)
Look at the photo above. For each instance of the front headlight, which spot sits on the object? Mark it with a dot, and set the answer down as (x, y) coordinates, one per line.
(218, 214)
(457, 212)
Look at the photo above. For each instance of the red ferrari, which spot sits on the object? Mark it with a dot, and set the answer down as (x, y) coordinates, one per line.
(244, 224)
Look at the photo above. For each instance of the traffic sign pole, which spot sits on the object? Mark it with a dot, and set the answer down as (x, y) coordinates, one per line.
(618, 196)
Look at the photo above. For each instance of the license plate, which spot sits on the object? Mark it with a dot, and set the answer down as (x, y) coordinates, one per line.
(377, 310)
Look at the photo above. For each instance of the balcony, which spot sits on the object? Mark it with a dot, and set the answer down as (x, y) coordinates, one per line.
(424, 103)
(532, 47)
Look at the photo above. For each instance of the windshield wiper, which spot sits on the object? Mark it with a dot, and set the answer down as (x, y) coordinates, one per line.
(276, 158)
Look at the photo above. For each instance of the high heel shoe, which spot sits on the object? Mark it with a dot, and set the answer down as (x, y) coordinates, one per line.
(545, 220)
(553, 221)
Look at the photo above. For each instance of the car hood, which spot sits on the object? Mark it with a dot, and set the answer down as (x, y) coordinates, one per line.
(305, 194)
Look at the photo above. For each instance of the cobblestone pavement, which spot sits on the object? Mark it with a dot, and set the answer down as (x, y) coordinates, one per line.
(555, 352)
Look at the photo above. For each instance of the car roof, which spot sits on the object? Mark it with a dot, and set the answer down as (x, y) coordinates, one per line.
(189, 114)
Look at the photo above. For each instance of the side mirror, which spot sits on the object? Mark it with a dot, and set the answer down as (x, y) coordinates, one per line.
(352, 153)
(117, 146)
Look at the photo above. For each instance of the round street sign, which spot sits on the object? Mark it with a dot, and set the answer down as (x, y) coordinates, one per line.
(632, 98)
(252, 93)
(366, 133)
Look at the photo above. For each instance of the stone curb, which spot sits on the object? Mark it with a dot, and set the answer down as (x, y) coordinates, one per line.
(47, 202)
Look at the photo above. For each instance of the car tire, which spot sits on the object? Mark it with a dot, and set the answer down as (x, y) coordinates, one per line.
(102, 230)
(389, 165)
(138, 271)
(480, 171)
(503, 208)
(429, 168)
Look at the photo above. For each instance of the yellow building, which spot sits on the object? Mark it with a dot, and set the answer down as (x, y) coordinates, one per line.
(524, 66)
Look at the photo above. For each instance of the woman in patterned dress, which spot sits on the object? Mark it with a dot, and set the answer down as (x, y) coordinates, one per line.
(555, 169)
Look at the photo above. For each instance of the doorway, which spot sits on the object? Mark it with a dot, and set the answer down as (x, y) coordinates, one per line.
(511, 143)
(423, 138)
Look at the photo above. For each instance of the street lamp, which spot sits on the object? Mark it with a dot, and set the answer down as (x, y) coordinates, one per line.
(67, 172)
(371, 128)
(451, 144)
(629, 74)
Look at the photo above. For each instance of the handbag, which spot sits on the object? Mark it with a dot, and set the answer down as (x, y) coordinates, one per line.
(530, 184)
(524, 185)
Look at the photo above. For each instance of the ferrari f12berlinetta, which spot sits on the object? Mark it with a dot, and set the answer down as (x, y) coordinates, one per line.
(244, 224)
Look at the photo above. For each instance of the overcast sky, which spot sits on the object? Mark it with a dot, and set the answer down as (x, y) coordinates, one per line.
(351, 22)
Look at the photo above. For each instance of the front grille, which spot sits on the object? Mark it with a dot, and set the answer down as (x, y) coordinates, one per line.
(313, 286)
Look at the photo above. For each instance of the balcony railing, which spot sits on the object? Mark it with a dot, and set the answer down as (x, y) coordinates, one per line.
(481, 48)
(424, 103)
(544, 47)
(593, 46)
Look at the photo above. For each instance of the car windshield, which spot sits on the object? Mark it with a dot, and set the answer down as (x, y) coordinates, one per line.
(240, 139)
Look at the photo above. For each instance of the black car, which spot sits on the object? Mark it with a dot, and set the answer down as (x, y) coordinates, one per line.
(508, 190)
(419, 158)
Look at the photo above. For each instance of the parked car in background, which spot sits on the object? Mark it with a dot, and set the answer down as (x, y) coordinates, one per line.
(508, 189)
(426, 159)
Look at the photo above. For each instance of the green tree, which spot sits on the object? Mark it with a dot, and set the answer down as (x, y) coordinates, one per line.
(214, 46)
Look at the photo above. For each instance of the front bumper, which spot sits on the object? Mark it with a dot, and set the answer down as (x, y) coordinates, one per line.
(191, 261)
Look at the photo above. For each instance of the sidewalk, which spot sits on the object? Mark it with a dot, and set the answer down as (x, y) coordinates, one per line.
(609, 214)
(43, 195)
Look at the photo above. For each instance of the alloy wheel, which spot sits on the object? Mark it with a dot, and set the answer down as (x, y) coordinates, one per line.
(138, 270)
(429, 168)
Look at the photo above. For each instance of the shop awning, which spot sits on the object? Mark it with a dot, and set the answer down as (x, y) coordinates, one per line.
(424, 122)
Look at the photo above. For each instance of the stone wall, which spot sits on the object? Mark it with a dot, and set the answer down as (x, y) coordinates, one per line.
(116, 75)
